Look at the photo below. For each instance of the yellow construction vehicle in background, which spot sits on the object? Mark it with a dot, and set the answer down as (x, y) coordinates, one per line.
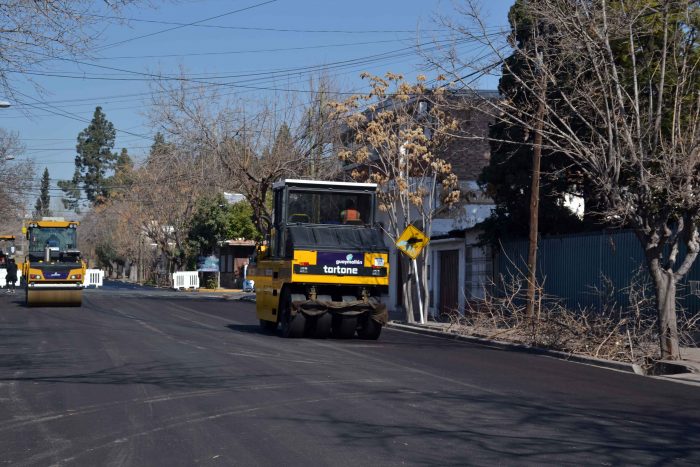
(53, 270)
(326, 264)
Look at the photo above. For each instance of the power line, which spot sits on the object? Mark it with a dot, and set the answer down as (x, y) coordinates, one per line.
(183, 25)
(345, 64)
(144, 76)
(266, 29)
(65, 114)
(250, 51)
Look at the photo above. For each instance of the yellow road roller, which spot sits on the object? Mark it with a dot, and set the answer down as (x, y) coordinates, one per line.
(326, 265)
(53, 269)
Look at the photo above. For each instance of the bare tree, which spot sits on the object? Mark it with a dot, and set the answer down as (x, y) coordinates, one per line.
(33, 33)
(393, 137)
(164, 198)
(623, 103)
(110, 233)
(256, 158)
(254, 144)
(17, 178)
(319, 129)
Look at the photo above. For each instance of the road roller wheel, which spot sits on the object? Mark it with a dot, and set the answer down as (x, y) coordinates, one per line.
(322, 326)
(370, 330)
(48, 297)
(292, 326)
(343, 327)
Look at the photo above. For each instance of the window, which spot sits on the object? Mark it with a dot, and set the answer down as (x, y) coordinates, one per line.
(308, 207)
(57, 238)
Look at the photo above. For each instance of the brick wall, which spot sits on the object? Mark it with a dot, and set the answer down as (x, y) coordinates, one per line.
(470, 153)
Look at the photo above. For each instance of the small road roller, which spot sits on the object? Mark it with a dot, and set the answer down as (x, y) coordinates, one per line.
(326, 265)
(53, 270)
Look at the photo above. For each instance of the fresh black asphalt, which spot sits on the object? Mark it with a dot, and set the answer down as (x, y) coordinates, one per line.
(163, 379)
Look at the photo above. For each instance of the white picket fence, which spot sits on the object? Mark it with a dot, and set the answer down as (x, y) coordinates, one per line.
(3, 276)
(185, 280)
(94, 277)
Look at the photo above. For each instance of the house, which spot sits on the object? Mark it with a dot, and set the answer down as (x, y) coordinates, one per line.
(233, 254)
(460, 268)
(233, 260)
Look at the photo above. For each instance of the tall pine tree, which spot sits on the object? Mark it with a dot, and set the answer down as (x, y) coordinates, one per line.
(93, 161)
(43, 202)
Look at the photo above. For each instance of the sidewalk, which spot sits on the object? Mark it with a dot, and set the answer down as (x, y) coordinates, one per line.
(691, 355)
(227, 294)
(220, 290)
(685, 369)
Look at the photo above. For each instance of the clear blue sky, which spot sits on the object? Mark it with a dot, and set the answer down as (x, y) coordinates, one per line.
(265, 39)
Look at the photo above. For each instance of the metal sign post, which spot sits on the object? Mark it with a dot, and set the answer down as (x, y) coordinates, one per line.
(411, 243)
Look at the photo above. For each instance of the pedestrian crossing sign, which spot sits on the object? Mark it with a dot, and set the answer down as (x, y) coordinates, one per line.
(412, 241)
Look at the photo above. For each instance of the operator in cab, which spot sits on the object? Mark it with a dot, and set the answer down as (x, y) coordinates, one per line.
(350, 215)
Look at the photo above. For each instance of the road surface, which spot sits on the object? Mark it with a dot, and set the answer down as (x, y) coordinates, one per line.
(163, 379)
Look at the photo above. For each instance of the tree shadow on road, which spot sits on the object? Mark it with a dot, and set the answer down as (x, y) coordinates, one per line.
(453, 427)
(174, 375)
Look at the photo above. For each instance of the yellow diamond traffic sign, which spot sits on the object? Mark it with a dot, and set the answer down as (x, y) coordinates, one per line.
(412, 241)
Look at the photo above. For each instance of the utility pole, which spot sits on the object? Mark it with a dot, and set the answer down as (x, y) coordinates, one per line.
(535, 194)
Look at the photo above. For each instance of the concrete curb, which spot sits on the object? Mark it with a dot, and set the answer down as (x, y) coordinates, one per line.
(503, 345)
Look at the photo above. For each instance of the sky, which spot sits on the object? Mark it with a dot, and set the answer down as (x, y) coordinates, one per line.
(259, 48)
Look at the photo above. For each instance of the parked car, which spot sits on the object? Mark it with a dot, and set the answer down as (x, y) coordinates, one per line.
(248, 285)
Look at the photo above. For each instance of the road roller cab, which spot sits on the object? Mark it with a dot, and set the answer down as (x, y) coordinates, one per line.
(325, 265)
(53, 270)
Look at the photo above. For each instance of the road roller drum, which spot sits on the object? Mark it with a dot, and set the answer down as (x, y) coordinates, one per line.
(48, 297)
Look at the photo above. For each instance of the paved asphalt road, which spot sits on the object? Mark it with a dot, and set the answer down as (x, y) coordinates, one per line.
(166, 380)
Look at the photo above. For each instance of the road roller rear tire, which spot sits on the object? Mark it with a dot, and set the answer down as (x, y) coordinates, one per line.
(344, 326)
(370, 330)
(292, 326)
(322, 326)
(48, 297)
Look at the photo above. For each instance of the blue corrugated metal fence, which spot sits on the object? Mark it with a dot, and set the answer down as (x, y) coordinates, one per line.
(572, 266)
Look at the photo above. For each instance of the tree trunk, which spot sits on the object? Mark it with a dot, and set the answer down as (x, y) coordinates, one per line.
(407, 301)
(405, 277)
(665, 285)
(425, 286)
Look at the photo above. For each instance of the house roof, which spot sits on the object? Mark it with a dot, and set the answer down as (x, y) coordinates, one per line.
(233, 198)
(323, 183)
(239, 242)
